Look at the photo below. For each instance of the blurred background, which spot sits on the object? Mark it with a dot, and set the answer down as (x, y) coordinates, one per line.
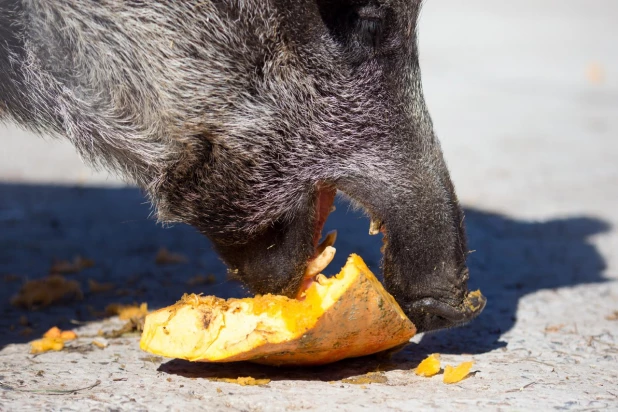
(524, 97)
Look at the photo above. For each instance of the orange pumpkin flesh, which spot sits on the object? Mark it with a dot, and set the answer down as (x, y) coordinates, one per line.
(457, 373)
(345, 316)
(429, 366)
(53, 340)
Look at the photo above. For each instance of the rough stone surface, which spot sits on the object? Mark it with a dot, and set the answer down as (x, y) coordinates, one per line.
(524, 96)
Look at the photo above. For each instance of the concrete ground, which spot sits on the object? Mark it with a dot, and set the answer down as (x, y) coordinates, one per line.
(524, 96)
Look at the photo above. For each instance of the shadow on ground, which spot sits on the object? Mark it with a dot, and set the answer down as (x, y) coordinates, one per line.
(514, 258)
(40, 224)
(405, 360)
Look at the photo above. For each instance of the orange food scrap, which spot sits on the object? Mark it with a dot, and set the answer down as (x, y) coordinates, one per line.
(53, 339)
(100, 343)
(242, 381)
(457, 373)
(78, 264)
(126, 312)
(96, 287)
(165, 257)
(11, 277)
(47, 291)
(202, 280)
(595, 73)
(46, 344)
(429, 366)
(344, 316)
(26, 331)
(52, 333)
(612, 316)
(369, 377)
(66, 335)
(554, 328)
(135, 324)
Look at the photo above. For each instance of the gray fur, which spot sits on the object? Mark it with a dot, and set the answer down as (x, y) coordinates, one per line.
(230, 113)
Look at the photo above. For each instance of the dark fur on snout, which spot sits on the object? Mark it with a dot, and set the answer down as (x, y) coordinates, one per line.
(231, 115)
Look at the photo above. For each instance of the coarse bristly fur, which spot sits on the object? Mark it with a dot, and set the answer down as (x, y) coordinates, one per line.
(233, 115)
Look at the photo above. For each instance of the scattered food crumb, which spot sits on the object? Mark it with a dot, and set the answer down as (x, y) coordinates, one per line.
(370, 377)
(100, 343)
(53, 339)
(67, 335)
(612, 316)
(243, 381)
(23, 320)
(554, 328)
(165, 257)
(77, 265)
(134, 315)
(10, 277)
(202, 280)
(457, 373)
(595, 73)
(126, 312)
(96, 287)
(57, 333)
(47, 291)
(430, 366)
(46, 344)
(153, 359)
(52, 333)
(26, 331)
(219, 390)
(135, 324)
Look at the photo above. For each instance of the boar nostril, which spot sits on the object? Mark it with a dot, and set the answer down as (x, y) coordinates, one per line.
(435, 307)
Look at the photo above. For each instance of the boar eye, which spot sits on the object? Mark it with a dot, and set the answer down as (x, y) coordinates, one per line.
(356, 26)
(366, 26)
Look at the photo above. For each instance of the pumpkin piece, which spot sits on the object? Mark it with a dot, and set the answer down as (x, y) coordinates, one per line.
(99, 287)
(344, 316)
(53, 339)
(66, 335)
(47, 291)
(126, 312)
(429, 366)
(369, 377)
(165, 257)
(457, 373)
(53, 333)
(78, 264)
(243, 381)
(100, 343)
(46, 344)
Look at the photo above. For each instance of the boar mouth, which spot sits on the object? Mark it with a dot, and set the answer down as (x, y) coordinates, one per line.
(288, 254)
(321, 257)
(324, 206)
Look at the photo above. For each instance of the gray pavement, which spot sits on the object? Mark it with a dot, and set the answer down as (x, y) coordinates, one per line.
(524, 96)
